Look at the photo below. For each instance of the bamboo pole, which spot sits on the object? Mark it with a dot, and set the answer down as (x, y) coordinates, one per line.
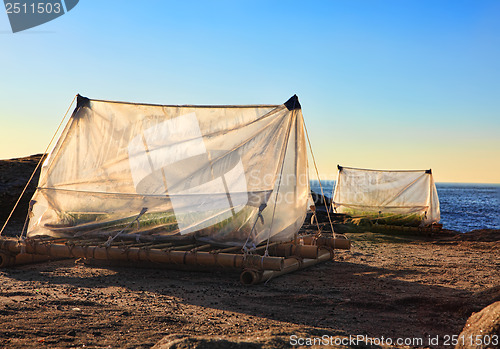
(402, 228)
(228, 249)
(226, 260)
(262, 248)
(8, 259)
(287, 250)
(338, 242)
(201, 248)
(252, 276)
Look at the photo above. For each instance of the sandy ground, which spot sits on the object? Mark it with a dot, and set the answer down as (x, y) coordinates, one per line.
(385, 286)
(413, 288)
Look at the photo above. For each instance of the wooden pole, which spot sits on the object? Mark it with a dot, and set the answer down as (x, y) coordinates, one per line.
(338, 242)
(8, 259)
(288, 250)
(226, 260)
(252, 276)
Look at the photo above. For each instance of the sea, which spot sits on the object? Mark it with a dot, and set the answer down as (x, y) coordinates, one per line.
(464, 206)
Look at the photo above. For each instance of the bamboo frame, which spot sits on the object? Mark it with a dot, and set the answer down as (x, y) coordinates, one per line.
(396, 229)
(226, 260)
(252, 276)
(257, 267)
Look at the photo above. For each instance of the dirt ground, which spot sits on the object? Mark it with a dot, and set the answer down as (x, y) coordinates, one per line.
(415, 289)
(386, 286)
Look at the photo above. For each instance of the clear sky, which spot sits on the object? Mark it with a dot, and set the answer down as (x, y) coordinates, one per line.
(403, 84)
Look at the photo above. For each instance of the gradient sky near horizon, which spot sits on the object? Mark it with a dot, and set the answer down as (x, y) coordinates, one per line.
(383, 84)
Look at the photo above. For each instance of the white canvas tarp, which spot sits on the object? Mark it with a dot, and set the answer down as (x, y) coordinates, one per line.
(392, 197)
(174, 170)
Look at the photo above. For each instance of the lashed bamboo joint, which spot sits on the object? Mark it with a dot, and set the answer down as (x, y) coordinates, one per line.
(257, 266)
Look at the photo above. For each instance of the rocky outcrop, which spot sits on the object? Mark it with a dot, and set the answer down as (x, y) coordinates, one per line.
(482, 329)
(14, 174)
(209, 342)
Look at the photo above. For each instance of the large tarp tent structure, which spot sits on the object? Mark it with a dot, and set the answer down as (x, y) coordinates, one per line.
(389, 197)
(226, 174)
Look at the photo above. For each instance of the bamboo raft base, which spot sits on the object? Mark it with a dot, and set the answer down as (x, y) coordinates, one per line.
(256, 267)
(390, 229)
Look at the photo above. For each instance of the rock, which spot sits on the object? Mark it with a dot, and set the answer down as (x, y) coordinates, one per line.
(482, 329)
(185, 342)
(14, 174)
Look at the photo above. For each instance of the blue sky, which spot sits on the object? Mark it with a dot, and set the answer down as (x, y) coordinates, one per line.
(383, 84)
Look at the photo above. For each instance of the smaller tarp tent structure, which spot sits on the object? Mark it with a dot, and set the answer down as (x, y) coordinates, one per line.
(387, 197)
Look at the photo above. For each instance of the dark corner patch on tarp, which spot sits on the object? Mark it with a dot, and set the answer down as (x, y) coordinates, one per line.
(292, 103)
(82, 101)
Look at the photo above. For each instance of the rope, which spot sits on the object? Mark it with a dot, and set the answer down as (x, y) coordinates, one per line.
(319, 180)
(37, 166)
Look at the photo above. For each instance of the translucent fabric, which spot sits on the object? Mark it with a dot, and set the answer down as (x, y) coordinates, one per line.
(123, 168)
(390, 197)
